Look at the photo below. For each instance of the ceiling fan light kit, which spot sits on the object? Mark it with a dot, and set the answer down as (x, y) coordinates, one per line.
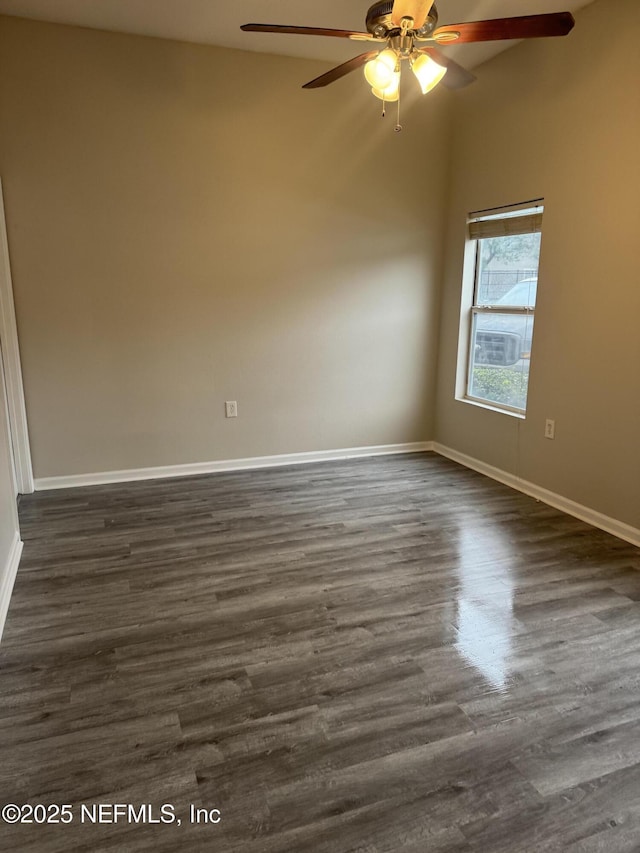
(408, 31)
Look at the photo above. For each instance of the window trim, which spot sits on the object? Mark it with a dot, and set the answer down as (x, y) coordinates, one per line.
(509, 222)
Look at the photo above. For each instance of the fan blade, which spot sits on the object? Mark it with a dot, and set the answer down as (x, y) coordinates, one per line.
(340, 70)
(527, 27)
(307, 31)
(456, 77)
(416, 9)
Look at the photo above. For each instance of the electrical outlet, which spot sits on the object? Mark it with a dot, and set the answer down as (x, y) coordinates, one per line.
(549, 428)
(231, 409)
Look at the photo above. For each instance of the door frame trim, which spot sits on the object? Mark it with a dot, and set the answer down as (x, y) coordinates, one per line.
(13, 368)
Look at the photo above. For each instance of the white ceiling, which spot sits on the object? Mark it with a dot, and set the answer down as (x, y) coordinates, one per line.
(217, 22)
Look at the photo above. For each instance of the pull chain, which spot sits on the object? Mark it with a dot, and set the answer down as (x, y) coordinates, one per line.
(398, 127)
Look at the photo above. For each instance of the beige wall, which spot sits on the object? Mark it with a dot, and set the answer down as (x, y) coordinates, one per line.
(187, 226)
(560, 119)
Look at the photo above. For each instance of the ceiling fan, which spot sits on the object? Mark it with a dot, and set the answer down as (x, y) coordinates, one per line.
(408, 31)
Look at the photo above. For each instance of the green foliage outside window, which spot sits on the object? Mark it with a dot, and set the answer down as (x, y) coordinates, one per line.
(499, 385)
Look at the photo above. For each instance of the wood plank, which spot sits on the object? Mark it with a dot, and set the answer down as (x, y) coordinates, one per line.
(382, 655)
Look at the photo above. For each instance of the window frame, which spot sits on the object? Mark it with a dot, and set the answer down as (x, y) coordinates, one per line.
(474, 308)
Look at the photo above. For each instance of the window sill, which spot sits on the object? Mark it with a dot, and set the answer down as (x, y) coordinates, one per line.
(480, 405)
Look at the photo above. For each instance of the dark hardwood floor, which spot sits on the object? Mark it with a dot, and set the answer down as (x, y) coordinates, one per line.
(393, 654)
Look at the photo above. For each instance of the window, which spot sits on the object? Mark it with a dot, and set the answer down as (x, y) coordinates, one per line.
(504, 248)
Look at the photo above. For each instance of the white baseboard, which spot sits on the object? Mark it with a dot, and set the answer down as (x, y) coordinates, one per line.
(591, 516)
(7, 579)
(189, 470)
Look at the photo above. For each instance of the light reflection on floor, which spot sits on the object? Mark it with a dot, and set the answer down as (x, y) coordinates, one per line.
(485, 623)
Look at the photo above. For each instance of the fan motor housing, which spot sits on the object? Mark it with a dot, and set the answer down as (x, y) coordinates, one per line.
(379, 20)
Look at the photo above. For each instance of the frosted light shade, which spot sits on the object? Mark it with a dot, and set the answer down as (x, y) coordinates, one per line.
(380, 70)
(390, 92)
(428, 72)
